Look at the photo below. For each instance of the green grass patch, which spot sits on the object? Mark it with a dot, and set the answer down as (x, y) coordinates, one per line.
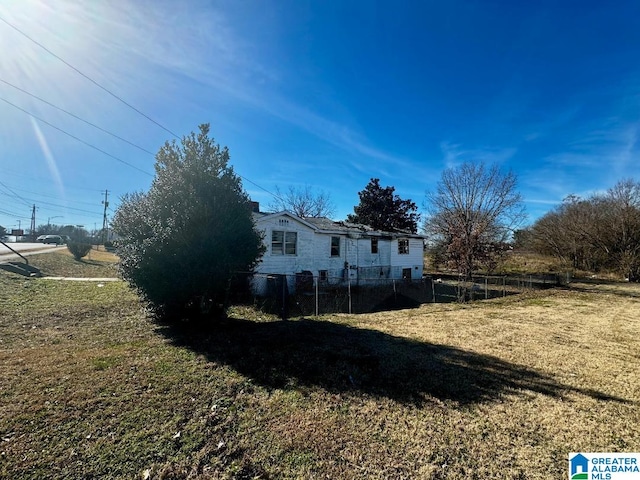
(104, 363)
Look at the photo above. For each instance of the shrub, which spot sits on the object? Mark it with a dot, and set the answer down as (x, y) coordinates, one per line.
(180, 243)
(79, 249)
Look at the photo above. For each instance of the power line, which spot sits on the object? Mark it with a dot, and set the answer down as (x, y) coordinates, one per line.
(77, 117)
(74, 137)
(12, 214)
(113, 156)
(112, 134)
(16, 195)
(40, 202)
(113, 95)
(52, 196)
(21, 174)
(67, 207)
(89, 78)
(262, 188)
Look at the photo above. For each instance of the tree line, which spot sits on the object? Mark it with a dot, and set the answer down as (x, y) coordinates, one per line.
(601, 232)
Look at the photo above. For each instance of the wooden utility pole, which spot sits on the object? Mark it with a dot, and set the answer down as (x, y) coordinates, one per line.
(105, 222)
(33, 224)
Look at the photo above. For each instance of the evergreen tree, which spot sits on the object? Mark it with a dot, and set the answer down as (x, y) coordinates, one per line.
(383, 210)
(181, 242)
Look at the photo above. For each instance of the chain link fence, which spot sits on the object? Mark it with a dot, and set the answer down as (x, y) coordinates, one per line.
(305, 294)
(454, 288)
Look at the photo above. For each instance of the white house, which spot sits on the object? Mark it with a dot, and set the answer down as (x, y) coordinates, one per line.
(336, 253)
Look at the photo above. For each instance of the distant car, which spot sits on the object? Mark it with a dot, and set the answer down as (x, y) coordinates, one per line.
(41, 238)
(57, 239)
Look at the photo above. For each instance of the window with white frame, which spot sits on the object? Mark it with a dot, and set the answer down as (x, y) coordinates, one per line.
(403, 246)
(284, 243)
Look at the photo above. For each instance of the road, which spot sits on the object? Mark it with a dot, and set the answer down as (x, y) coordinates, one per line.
(7, 255)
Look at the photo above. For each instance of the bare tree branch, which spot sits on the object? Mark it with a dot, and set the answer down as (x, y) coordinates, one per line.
(303, 202)
(473, 207)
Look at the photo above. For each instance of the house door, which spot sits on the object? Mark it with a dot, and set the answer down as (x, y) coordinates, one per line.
(406, 274)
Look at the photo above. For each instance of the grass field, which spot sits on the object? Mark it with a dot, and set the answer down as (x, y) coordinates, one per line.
(91, 388)
(97, 263)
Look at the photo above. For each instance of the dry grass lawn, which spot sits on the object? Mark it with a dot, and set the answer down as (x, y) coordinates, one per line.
(90, 388)
(98, 263)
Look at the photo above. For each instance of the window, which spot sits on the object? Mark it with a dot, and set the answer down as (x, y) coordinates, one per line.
(406, 273)
(283, 243)
(403, 246)
(374, 245)
(290, 243)
(335, 246)
(323, 275)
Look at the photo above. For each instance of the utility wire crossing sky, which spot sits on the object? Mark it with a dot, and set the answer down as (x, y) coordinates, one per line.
(324, 94)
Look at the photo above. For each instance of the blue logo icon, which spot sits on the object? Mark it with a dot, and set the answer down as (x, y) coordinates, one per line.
(579, 467)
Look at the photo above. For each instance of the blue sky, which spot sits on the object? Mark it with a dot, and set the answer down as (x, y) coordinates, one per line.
(327, 94)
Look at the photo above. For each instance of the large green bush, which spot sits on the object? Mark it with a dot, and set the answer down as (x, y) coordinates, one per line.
(180, 242)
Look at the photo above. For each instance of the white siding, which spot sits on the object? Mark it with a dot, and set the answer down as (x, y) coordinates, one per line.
(413, 260)
(313, 253)
(286, 264)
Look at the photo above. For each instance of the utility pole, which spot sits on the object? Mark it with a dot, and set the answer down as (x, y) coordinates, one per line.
(105, 223)
(33, 223)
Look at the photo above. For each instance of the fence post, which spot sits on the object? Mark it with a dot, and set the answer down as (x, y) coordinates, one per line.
(504, 286)
(317, 279)
(395, 294)
(349, 289)
(285, 291)
(433, 289)
(486, 288)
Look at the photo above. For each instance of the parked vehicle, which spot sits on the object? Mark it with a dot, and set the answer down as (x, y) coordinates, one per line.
(57, 239)
(41, 238)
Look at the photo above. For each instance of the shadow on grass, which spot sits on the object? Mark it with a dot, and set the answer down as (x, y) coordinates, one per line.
(88, 261)
(340, 358)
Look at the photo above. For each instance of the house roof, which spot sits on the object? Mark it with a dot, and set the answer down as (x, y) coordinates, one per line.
(326, 225)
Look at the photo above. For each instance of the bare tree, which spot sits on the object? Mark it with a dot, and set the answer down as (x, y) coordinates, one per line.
(303, 202)
(473, 208)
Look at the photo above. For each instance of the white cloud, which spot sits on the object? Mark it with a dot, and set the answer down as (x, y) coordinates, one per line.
(454, 155)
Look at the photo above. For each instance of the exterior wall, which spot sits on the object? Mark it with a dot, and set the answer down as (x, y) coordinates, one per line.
(313, 253)
(287, 264)
(313, 250)
(413, 260)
